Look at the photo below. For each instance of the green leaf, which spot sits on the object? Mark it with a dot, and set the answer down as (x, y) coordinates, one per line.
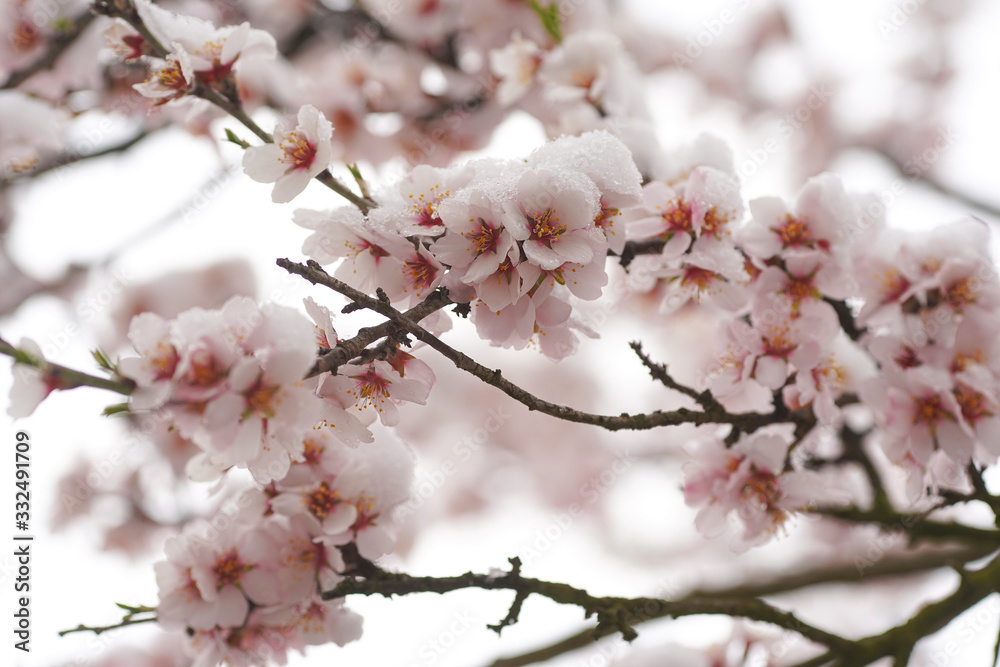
(117, 408)
(550, 18)
(231, 137)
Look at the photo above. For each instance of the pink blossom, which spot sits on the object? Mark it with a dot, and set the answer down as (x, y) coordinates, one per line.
(751, 481)
(207, 583)
(553, 216)
(702, 207)
(515, 64)
(377, 386)
(371, 259)
(297, 155)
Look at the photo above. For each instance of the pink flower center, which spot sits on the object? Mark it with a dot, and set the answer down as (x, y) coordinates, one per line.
(698, 277)
(929, 411)
(420, 271)
(228, 569)
(677, 218)
(605, 218)
(204, 371)
(171, 77)
(485, 238)
(299, 151)
(261, 399)
(544, 228)
(372, 387)
(974, 405)
(322, 500)
(794, 234)
(713, 223)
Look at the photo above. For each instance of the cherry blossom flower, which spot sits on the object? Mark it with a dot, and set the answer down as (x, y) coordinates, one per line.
(704, 208)
(207, 583)
(372, 259)
(154, 370)
(411, 206)
(297, 155)
(553, 216)
(516, 65)
(822, 217)
(212, 52)
(608, 162)
(168, 80)
(751, 481)
(476, 242)
(377, 386)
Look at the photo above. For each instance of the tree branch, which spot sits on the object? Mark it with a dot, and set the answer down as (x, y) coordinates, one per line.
(62, 377)
(315, 274)
(613, 614)
(888, 567)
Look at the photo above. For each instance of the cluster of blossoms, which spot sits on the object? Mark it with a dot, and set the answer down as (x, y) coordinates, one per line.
(516, 239)
(782, 341)
(197, 50)
(234, 381)
(927, 306)
(247, 586)
(933, 301)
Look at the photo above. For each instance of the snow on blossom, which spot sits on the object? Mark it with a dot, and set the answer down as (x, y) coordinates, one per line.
(410, 207)
(553, 217)
(750, 481)
(297, 154)
(605, 160)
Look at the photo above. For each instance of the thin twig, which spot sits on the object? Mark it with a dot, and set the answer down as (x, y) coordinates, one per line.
(61, 377)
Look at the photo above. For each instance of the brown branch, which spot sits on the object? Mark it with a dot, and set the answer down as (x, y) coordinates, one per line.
(659, 372)
(888, 567)
(315, 274)
(352, 348)
(613, 614)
